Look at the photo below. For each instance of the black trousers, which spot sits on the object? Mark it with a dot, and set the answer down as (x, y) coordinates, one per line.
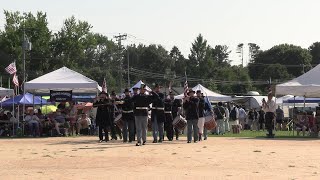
(105, 129)
(168, 126)
(269, 122)
(128, 128)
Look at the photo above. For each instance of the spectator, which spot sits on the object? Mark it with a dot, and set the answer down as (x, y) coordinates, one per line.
(255, 123)
(59, 120)
(279, 118)
(250, 119)
(242, 117)
(83, 123)
(227, 125)
(33, 123)
(62, 107)
(261, 119)
(220, 113)
(302, 124)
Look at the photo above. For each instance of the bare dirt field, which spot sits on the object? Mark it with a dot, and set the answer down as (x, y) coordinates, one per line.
(216, 158)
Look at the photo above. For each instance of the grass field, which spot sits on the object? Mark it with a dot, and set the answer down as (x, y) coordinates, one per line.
(262, 134)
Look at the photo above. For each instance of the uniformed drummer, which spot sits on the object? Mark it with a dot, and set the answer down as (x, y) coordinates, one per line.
(127, 117)
(114, 112)
(157, 114)
(141, 103)
(103, 118)
(190, 105)
(176, 110)
(168, 117)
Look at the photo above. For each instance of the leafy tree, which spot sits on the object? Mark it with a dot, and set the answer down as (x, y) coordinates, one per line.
(314, 50)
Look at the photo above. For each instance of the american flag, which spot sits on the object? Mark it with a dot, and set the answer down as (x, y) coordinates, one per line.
(186, 88)
(15, 80)
(11, 69)
(104, 86)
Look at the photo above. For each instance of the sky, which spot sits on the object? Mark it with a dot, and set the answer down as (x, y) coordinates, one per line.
(178, 22)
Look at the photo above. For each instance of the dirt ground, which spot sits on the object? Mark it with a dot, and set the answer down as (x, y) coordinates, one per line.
(216, 158)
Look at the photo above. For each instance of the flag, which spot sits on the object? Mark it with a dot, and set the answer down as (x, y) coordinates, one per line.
(15, 80)
(11, 69)
(104, 86)
(186, 88)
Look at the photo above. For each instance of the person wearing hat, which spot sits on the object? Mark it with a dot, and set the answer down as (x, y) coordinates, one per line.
(176, 109)
(103, 118)
(141, 103)
(135, 91)
(157, 114)
(114, 112)
(127, 117)
(220, 113)
(191, 106)
(168, 103)
(201, 113)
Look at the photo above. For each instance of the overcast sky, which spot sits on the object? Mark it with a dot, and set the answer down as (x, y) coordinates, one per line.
(178, 22)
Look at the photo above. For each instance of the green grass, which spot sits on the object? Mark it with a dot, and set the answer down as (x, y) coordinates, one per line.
(262, 134)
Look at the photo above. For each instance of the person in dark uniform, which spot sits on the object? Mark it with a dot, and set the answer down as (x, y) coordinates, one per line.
(190, 105)
(141, 103)
(157, 114)
(269, 107)
(103, 118)
(114, 112)
(168, 118)
(135, 92)
(176, 109)
(127, 117)
(201, 113)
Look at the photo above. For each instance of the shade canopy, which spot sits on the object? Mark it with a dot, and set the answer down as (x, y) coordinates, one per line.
(307, 84)
(212, 96)
(26, 99)
(62, 79)
(302, 100)
(5, 92)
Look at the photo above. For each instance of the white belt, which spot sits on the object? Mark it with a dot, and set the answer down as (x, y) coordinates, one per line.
(146, 108)
(158, 108)
(168, 112)
(127, 111)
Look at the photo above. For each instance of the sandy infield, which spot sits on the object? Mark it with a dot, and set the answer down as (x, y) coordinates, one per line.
(216, 158)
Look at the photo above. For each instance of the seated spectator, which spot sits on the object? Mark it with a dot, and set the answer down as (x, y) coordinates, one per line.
(33, 123)
(83, 122)
(302, 124)
(59, 121)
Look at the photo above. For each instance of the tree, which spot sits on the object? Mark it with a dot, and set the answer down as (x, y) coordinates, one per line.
(198, 51)
(221, 55)
(254, 49)
(314, 50)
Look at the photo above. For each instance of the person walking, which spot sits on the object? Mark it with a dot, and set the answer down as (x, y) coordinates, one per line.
(220, 114)
(269, 107)
(190, 105)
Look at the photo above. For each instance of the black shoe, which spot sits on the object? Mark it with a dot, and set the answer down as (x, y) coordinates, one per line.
(160, 141)
(125, 141)
(205, 138)
(170, 139)
(154, 141)
(189, 141)
(177, 138)
(138, 144)
(144, 143)
(195, 141)
(100, 141)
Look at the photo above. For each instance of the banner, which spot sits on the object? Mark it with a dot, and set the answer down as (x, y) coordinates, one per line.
(60, 96)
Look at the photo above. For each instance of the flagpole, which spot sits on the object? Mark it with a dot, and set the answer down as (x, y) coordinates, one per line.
(9, 82)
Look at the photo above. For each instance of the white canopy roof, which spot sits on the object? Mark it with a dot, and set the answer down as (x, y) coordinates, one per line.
(138, 85)
(62, 79)
(5, 92)
(307, 84)
(212, 96)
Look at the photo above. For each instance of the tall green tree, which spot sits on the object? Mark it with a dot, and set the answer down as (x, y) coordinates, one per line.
(314, 50)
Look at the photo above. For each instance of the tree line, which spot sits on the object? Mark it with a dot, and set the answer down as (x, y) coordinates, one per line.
(98, 56)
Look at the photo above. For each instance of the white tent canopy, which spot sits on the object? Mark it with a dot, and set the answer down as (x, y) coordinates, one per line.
(5, 92)
(212, 96)
(138, 85)
(307, 84)
(62, 79)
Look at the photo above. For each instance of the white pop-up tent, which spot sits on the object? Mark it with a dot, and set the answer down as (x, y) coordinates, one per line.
(307, 85)
(6, 92)
(62, 79)
(138, 85)
(212, 96)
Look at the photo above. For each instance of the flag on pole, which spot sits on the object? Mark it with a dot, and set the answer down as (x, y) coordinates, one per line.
(11, 69)
(104, 86)
(186, 88)
(15, 80)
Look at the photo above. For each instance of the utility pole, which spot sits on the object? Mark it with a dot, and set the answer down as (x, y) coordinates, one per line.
(128, 67)
(120, 38)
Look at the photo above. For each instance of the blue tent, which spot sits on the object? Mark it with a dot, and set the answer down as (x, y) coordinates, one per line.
(26, 99)
(301, 100)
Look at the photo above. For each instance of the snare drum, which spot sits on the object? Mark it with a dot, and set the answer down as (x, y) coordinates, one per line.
(118, 121)
(179, 122)
(210, 123)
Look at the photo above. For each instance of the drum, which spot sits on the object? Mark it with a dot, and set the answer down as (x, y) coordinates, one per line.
(179, 122)
(209, 122)
(118, 121)
(149, 123)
